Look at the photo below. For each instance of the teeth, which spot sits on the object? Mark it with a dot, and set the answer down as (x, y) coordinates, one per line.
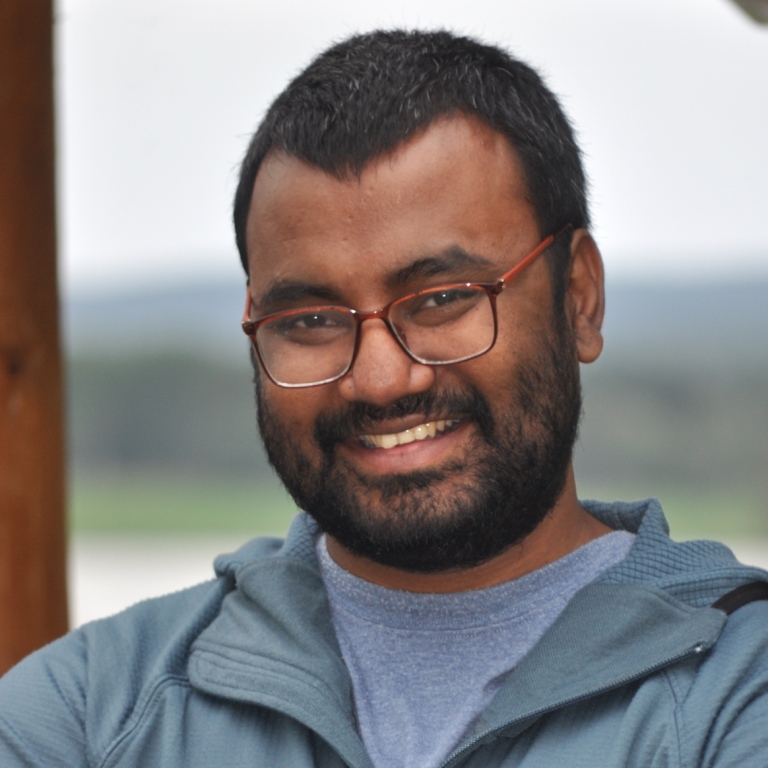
(386, 441)
(420, 432)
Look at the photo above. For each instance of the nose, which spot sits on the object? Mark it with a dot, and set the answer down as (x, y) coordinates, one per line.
(382, 372)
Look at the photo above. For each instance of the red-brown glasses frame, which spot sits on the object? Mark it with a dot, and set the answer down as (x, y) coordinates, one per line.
(492, 290)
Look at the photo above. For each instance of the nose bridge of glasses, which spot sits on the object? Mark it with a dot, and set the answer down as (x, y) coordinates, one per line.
(361, 315)
(382, 314)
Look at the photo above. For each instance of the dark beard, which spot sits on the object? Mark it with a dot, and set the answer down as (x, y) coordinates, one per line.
(462, 513)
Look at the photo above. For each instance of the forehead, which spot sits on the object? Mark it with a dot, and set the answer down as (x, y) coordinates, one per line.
(458, 184)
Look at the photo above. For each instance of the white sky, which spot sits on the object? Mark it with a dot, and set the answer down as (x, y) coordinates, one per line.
(157, 100)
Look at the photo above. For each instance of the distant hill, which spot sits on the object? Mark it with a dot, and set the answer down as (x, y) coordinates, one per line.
(727, 321)
(198, 317)
(702, 323)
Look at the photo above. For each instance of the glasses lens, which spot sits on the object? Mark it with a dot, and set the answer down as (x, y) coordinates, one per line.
(447, 325)
(307, 346)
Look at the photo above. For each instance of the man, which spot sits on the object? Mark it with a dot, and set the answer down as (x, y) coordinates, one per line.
(422, 288)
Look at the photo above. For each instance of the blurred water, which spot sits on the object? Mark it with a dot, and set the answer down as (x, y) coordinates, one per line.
(109, 572)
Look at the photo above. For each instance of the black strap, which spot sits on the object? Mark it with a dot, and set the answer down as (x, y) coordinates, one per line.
(746, 593)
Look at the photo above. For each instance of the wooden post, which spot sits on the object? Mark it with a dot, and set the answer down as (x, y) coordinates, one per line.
(33, 597)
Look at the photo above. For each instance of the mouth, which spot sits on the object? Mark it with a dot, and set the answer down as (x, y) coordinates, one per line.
(425, 431)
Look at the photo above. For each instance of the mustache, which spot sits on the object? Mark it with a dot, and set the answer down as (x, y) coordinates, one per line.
(359, 418)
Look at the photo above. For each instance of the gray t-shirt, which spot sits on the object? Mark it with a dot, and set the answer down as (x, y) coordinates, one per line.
(425, 666)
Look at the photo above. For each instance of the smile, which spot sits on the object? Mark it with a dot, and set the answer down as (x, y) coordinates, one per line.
(425, 431)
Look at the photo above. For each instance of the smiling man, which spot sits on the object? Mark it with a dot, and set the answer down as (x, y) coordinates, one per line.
(422, 288)
(451, 414)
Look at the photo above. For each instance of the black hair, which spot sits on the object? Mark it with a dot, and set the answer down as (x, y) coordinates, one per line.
(364, 96)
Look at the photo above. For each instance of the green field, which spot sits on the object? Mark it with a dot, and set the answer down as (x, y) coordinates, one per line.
(148, 502)
(693, 513)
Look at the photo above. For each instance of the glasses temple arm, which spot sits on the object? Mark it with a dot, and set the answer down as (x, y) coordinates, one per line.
(507, 277)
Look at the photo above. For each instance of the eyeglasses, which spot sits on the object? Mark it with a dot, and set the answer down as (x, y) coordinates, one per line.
(448, 324)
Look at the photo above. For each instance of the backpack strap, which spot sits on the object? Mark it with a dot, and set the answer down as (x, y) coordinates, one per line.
(746, 593)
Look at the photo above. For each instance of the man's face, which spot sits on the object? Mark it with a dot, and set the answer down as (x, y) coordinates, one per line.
(424, 468)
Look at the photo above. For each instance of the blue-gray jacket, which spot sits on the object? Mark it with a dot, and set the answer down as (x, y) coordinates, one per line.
(245, 671)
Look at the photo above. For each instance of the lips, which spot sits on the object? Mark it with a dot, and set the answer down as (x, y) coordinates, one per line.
(422, 417)
(424, 431)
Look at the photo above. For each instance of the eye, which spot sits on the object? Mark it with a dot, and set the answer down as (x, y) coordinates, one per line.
(311, 326)
(447, 296)
(312, 320)
(441, 306)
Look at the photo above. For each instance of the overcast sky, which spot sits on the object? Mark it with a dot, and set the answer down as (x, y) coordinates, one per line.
(157, 99)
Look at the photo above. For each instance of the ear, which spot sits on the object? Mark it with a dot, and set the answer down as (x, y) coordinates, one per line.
(585, 296)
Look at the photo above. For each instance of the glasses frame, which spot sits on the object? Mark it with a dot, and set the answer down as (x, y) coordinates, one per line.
(492, 290)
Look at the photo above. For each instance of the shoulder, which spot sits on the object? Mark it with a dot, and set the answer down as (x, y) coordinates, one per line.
(77, 693)
(723, 713)
(63, 706)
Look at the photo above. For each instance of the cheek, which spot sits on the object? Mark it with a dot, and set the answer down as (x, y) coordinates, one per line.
(525, 323)
(521, 346)
(293, 412)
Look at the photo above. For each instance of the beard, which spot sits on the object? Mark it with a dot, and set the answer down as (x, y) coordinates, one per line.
(464, 512)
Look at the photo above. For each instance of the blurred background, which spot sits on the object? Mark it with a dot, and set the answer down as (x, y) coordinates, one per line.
(156, 102)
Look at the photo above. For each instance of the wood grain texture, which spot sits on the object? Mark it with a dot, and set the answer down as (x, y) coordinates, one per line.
(33, 604)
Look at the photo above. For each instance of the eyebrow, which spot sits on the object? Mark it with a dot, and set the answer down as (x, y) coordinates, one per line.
(286, 291)
(452, 259)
